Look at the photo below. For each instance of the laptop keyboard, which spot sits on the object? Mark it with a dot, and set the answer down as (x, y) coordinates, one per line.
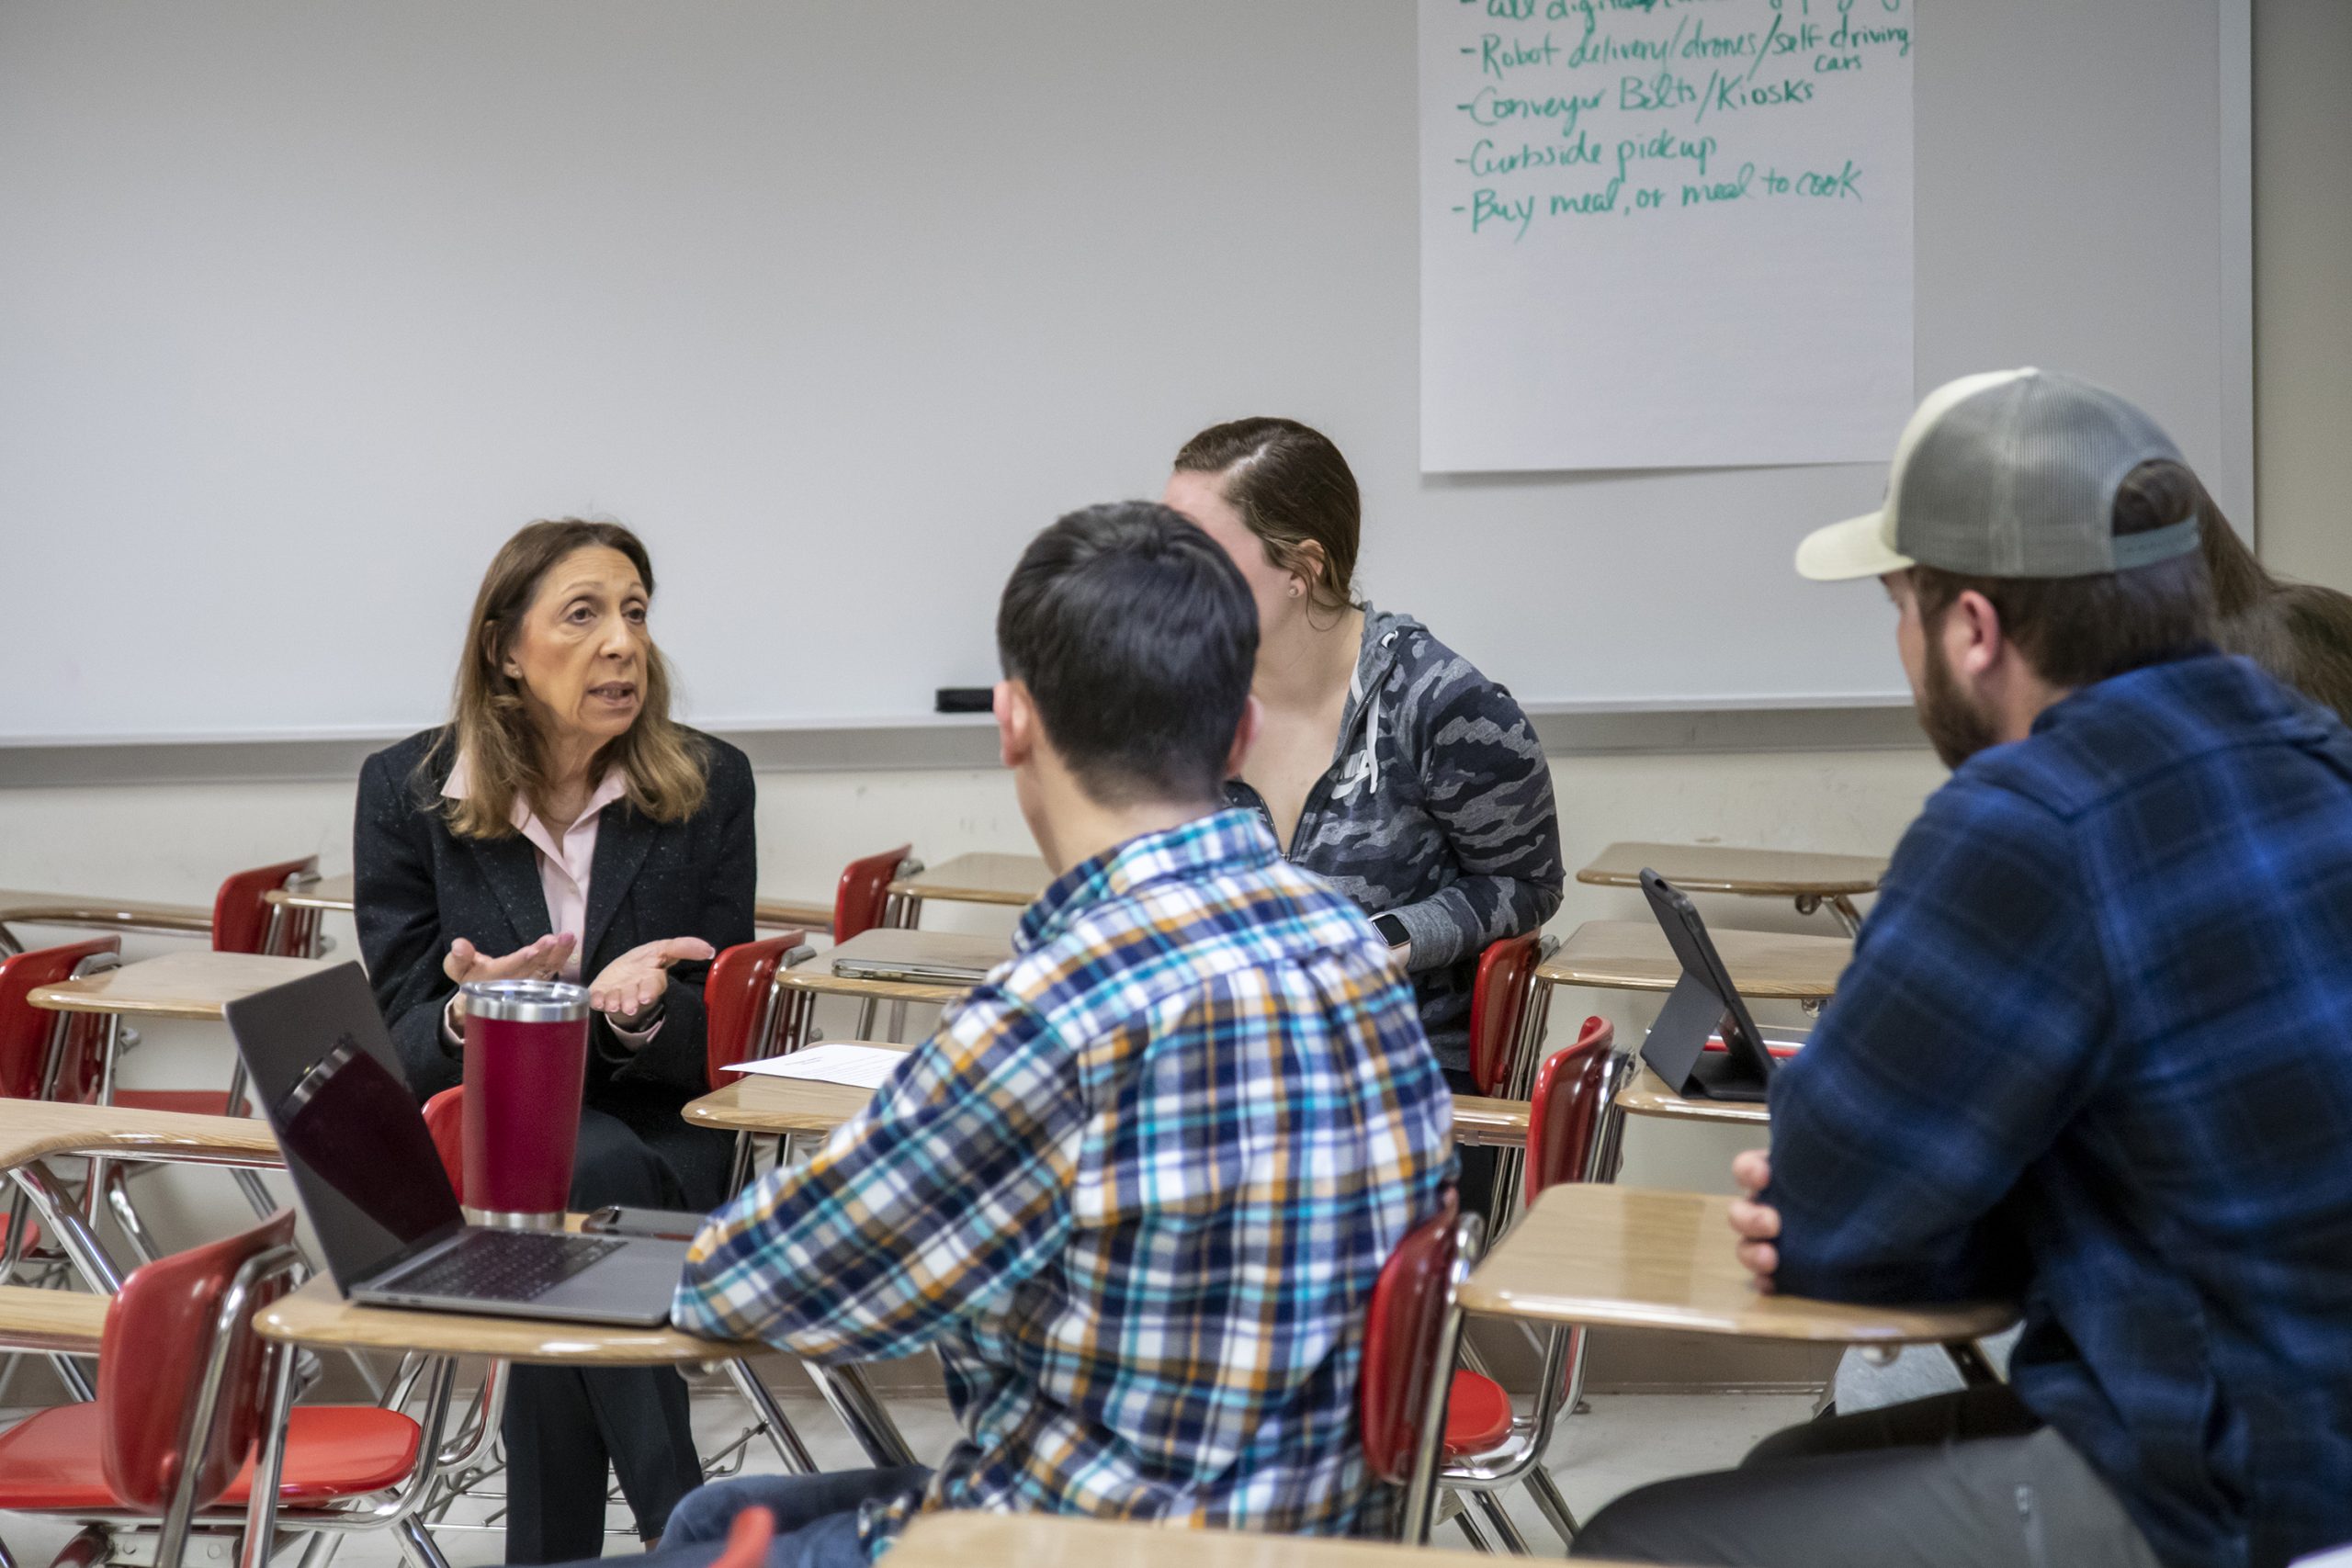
(505, 1266)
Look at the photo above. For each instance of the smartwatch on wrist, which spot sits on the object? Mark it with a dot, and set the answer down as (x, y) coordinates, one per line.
(1392, 929)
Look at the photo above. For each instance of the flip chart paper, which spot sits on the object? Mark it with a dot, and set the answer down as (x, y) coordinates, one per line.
(1664, 233)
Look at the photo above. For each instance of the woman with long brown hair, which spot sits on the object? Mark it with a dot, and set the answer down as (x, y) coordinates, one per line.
(1386, 763)
(2300, 632)
(563, 826)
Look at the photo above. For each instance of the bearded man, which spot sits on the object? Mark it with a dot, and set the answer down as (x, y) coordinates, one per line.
(2093, 1052)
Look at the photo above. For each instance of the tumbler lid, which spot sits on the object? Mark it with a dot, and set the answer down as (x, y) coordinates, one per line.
(526, 1001)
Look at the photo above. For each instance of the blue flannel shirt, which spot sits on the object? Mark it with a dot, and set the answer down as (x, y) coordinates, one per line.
(1137, 1189)
(2095, 1052)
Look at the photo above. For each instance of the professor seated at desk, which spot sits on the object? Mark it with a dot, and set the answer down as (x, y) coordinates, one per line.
(562, 826)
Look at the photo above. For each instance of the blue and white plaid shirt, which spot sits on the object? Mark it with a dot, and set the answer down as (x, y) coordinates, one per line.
(2094, 1051)
(1137, 1189)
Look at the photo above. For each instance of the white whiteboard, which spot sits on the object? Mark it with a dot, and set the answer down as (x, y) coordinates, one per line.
(303, 308)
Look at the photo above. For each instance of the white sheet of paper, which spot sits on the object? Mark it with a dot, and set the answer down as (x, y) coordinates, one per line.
(1664, 234)
(858, 1066)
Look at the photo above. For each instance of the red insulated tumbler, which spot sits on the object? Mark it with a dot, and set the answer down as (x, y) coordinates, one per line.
(526, 1052)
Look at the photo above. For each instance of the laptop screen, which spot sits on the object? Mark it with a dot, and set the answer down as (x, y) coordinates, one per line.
(364, 1167)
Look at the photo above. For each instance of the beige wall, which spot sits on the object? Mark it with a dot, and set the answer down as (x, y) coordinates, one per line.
(2302, 296)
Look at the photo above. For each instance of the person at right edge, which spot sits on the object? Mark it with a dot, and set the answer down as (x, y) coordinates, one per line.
(1389, 764)
(2093, 1052)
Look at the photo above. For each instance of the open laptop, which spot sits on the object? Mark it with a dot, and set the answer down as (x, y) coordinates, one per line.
(1702, 1003)
(372, 1185)
(925, 958)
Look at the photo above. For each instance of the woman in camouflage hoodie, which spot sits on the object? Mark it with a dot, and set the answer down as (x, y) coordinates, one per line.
(1386, 763)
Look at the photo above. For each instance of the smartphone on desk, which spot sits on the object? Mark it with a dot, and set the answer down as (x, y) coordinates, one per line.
(661, 1225)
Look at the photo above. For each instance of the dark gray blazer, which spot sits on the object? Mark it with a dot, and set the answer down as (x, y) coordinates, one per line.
(421, 887)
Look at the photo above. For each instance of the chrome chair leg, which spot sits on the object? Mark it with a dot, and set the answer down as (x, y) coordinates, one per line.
(853, 1402)
(417, 1545)
(261, 1506)
(12, 1250)
(249, 1183)
(117, 1190)
(1492, 1506)
(1555, 1509)
(77, 1381)
(318, 1549)
(1471, 1532)
(788, 1445)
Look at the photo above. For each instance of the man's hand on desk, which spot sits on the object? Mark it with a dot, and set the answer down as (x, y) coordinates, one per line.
(1757, 1224)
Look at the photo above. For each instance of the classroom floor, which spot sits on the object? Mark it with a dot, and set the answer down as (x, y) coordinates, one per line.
(1627, 1439)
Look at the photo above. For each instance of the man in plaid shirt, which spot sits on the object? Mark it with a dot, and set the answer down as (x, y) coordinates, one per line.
(1138, 1187)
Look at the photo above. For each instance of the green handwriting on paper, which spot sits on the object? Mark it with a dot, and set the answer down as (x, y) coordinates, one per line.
(1573, 109)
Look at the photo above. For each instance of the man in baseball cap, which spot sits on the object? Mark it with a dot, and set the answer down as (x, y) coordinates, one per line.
(2093, 1055)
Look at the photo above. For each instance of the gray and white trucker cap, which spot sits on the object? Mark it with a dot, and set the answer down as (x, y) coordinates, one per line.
(2012, 473)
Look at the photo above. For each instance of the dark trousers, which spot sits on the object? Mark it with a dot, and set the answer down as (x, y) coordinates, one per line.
(1967, 1480)
(567, 1430)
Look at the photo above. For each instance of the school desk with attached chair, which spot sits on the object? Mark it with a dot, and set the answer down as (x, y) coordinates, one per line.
(1002, 881)
(760, 1105)
(34, 1132)
(1813, 881)
(1589, 1255)
(318, 1317)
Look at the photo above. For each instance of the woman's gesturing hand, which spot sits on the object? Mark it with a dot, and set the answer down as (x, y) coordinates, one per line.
(543, 960)
(634, 983)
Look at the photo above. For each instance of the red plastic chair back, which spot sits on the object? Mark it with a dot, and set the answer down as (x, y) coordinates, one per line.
(26, 1030)
(445, 1118)
(735, 1001)
(159, 1337)
(1498, 1004)
(863, 892)
(1400, 1341)
(1564, 1115)
(241, 915)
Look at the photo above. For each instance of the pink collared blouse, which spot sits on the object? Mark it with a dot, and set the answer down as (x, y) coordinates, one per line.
(565, 861)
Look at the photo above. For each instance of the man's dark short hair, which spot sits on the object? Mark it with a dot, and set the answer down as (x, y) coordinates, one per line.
(2076, 631)
(1136, 636)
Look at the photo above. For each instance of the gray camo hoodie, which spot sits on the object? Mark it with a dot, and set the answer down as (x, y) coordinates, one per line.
(1437, 809)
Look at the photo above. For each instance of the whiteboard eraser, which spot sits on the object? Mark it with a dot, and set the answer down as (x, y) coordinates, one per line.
(965, 699)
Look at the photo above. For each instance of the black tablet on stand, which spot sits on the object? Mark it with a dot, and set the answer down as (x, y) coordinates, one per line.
(1702, 1003)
